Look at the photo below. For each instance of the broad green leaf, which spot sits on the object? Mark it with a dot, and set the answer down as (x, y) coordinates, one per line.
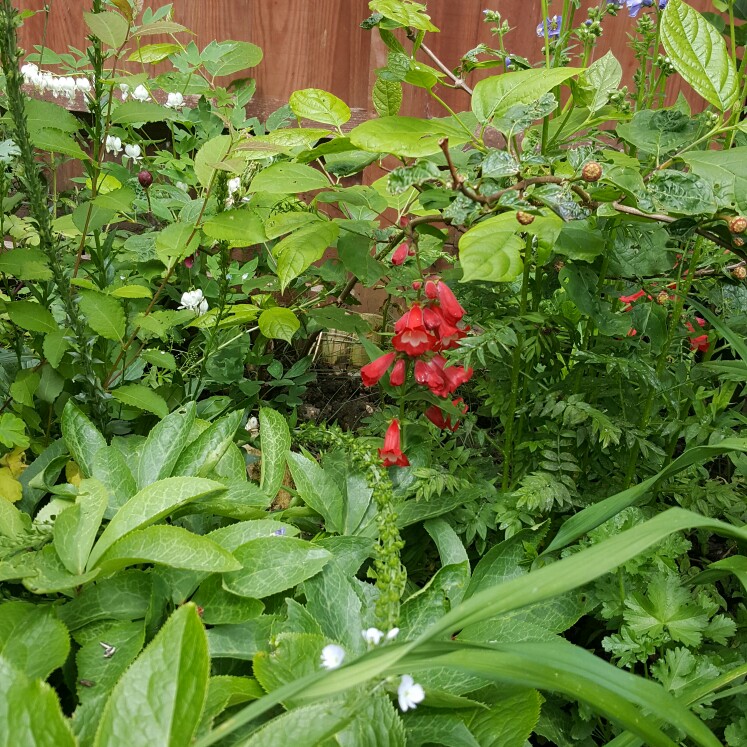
(40, 113)
(376, 722)
(387, 97)
(150, 54)
(317, 490)
(241, 641)
(725, 170)
(229, 57)
(225, 691)
(131, 291)
(296, 252)
(120, 199)
(491, 250)
(603, 76)
(509, 722)
(274, 564)
(110, 27)
(201, 456)
(281, 223)
(55, 141)
(81, 436)
(32, 639)
(212, 152)
(164, 446)
(275, 442)
(450, 547)
(55, 345)
(30, 714)
(170, 546)
(25, 264)
(494, 96)
(288, 178)
(407, 137)
(240, 227)
(50, 575)
(142, 397)
(737, 565)
(153, 503)
(159, 699)
(436, 729)
(698, 53)
(89, 216)
(75, 528)
(406, 14)
(104, 314)
(13, 431)
(110, 468)
(278, 323)
(176, 241)
(31, 316)
(220, 607)
(319, 106)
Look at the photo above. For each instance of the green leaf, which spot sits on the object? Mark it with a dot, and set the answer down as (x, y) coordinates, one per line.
(296, 252)
(151, 504)
(55, 345)
(509, 722)
(405, 14)
(51, 576)
(225, 691)
(142, 397)
(229, 57)
(200, 457)
(241, 227)
(164, 446)
(436, 729)
(120, 199)
(725, 170)
(288, 178)
(220, 607)
(275, 442)
(31, 712)
(170, 546)
(175, 242)
(110, 468)
(274, 564)
(213, 151)
(159, 699)
(150, 54)
(13, 431)
(387, 97)
(278, 323)
(408, 137)
(319, 106)
(131, 291)
(32, 639)
(491, 250)
(317, 490)
(140, 112)
(241, 641)
(40, 113)
(89, 216)
(31, 316)
(494, 96)
(603, 76)
(55, 141)
(75, 528)
(25, 264)
(698, 53)
(104, 314)
(110, 27)
(81, 436)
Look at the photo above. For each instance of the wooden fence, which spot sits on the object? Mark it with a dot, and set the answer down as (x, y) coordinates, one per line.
(319, 43)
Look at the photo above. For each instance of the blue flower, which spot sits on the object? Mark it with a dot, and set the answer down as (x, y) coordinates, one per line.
(662, 4)
(553, 27)
(634, 6)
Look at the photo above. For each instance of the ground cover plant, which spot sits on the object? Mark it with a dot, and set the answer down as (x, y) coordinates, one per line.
(536, 535)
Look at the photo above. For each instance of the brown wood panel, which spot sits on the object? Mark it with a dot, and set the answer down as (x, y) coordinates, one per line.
(319, 43)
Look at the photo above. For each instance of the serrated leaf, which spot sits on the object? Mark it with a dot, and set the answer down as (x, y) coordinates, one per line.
(201, 456)
(698, 53)
(410, 14)
(213, 151)
(140, 112)
(104, 314)
(317, 490)
(131, 291)
(31, 316)
(160, 697)
(387, 97)
(278, 323)
(25, 264)
(110, 27)
(13, 431)
(142, 397)
(56, 141)
(319, 106)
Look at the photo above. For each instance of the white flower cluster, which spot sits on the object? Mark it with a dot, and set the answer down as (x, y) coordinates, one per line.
(57, 85)
(114, 145)
(195, 301)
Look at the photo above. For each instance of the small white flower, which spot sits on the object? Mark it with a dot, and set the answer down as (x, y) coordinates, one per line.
(332, 656)
(55, 85)
(113, 144)
(125, 89)
(194, 301)
(392, 634)
(174, 100)
(45, 81)
(252, 426)
(133, 152)
(373, 636)
(409, 693)
(67, 86)
(234, 185)
(141, 93)
(181, 185)
(83, 84)
(31, 73)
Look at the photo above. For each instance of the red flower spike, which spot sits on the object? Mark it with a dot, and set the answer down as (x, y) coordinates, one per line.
(436, 415)
(400, 255)
(412, 337)
(430, 290)
(431, 374)
(373, 371)
(431, 318)
(451, 309)
(397, 377)
(456, 376)
(391, 453)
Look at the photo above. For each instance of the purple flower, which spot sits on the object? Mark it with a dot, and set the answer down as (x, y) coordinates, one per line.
(634, 6)
(279, 532)
(553, 27)
(662, 4)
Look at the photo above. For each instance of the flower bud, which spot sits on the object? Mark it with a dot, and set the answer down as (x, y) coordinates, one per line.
(417, 285)
(592, 171)
(662, 298)
(430, 289)
(524, 218)
(145, 178)
(737, 241)
(738, 224)
(739, 273)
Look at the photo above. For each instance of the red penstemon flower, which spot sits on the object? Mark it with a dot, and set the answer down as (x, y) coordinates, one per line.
(413, 338)
(373, 371)
(698, 342)
(397, 377)
(437, 416)
(391, 453)
(400, 254)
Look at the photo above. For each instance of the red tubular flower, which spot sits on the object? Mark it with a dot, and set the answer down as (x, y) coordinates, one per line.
(456, 376)
(431, 374)
(373, 371)
(699, 343)
(391, 454)
(436, 415)
(632, 298)
(430, 290)
(412, 337)
(451, 309)
(397, 377)
(400, 254)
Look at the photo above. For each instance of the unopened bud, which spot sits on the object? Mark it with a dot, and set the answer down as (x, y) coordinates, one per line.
(592, 171)
(739, 273)
(737, 241)
(145, 178)
(524, 218)
(738, 224)
(662, 298)
(430, 290)
(417, 285)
